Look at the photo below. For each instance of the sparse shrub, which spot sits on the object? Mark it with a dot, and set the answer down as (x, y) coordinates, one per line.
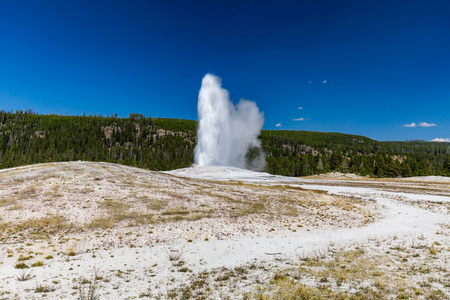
(87, 290)
(278, 276)
(184, 270)
(24, 258)
(241, 270)
(21, 266)
(83, 280)
(433, 250)
(178, 263)
(24, 275)
(147, 294)
(40, 288)
(38, 264)
(435, 295)
(175, 256)
(98, 274)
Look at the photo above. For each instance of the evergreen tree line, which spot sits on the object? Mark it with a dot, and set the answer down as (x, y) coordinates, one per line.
(303, 153)
(165, 144)
(145, 142)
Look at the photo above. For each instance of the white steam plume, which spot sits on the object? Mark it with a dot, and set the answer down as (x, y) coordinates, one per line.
(226, 132)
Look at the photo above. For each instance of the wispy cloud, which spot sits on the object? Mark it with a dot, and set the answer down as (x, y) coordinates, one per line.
(425, 124)
(278, 125)
(299, 119)
(325, 81)
(441, 140)
(421, 124)
(300, 107)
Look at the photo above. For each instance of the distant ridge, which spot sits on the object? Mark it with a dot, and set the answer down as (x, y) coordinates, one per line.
(167, 144)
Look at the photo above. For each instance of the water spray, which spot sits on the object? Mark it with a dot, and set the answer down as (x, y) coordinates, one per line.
(227, 134)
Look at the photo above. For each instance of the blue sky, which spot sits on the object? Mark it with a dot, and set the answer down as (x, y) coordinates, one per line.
(358, 67)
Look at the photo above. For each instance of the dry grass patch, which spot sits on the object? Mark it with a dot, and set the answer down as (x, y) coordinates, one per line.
(86, 190)
(111, 220)
(289, 289)
(54, 192)
(290, 210)
(237, 199)
(19, 180)
(15, 207)
(113, 205)
(155, 204)
(248, 208)
(83, 194)
(181, 213)
(355, 274)
(181, 210)
(27, 192)
(143, 218)
(49, 222)
(197, 216)
(8, 202)
(116, 212)
(103, 223)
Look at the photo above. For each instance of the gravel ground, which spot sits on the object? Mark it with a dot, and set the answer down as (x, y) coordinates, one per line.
(211, 232)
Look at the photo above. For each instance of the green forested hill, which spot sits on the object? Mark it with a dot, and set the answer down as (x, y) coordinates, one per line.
(300, 153)
(164, 144)
(157, 144)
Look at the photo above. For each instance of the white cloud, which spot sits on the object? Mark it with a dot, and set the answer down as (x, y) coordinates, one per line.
(278, 125)
(300, 107)
(421, 124)
(425, 124)
(325, 81)
(441, 140)
(299, 119)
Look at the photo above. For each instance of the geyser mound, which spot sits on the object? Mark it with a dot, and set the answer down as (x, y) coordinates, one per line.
(227, 134)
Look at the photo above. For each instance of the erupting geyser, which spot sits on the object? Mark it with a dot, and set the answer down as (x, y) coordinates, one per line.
(227, 134)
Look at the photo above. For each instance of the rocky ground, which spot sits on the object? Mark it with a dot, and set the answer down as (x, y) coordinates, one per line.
(81, 230)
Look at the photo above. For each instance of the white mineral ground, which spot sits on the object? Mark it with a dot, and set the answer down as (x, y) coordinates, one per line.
(134, 256)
